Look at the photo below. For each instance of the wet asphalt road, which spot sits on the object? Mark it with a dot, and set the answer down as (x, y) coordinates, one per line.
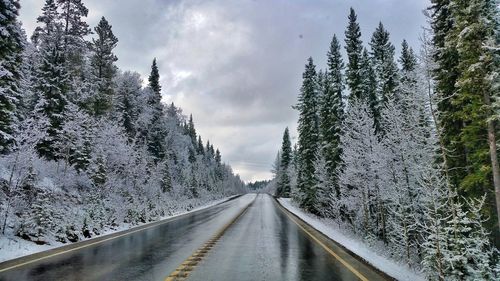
(262, 244)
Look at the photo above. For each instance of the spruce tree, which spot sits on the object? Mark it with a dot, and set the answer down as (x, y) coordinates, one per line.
(476, 25)
(446, 74)
(166, 180)
(156, 130)
(369, 88)
(154, 84)
(218, 157)
(354, 47)
(331, 110)
(191, 131)
(52, 79)
(103, 68)
(284, 165)
(74, 31)
(200, 149)
(386, 71)
(308, 141)
(11, 48)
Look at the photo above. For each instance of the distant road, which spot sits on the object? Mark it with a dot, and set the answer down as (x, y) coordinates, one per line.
(242, 239)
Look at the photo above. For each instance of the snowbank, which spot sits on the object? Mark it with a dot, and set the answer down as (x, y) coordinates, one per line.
(357, 246)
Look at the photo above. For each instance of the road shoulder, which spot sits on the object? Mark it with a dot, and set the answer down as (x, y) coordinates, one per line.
(320, 231)
(27, 259)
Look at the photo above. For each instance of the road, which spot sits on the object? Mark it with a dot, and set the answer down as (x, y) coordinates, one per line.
(248, 238)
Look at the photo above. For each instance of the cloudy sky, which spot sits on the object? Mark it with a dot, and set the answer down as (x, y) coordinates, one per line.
(236, 65)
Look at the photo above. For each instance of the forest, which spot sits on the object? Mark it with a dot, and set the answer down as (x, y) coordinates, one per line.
(84, 146)
(401, 149)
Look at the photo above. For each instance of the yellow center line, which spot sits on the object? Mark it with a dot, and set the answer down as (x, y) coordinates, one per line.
(330, 251)
(182, 271)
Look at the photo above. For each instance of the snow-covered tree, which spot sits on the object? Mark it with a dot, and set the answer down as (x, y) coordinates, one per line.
(354, 48)
(331, 111)
(359, 178)
(12, 44)
(52, 79)
(283, 171)
(103, 67)
(386, 71)
(308, 141)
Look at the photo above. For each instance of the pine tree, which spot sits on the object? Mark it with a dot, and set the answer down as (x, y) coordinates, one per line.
(11, 47)
(103, 68)
(354, 47)
(331, 111)
(386, 71)
(308, 140)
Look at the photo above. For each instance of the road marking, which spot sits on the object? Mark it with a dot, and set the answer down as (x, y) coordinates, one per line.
(154, 224)
(330, 251)
(187, 266)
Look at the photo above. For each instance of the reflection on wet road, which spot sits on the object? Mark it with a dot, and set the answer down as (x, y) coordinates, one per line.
(145, 255)
(264, 243)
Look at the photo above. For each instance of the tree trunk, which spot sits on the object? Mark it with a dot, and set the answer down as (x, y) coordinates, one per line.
(493, 155)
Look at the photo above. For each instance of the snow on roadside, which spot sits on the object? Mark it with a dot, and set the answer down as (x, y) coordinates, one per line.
(12, 247)
(327, 227)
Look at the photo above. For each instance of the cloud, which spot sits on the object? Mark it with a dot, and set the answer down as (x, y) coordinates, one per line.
(237, 65)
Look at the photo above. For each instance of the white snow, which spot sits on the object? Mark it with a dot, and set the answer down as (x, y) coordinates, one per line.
(12, 247)
(357, 246)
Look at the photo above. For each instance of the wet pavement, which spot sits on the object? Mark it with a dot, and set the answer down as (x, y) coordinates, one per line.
(264, 243)
(150, 254)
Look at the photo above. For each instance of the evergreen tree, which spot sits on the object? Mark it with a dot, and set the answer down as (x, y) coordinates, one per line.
(308, 140)
(218, 157)
(386, 71)
(323, 187)
(407, 60)
(446, 74)
(52, 79)
(191, 131)
(283, 177)
(156, 131)
(103, 68)
(11, 47)
(199, 148)
(369, 88)
(354, 47)
(166, 180)
(331, 110)
(74, 31)
(128, 89)
(154, 84)
(476, 24)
